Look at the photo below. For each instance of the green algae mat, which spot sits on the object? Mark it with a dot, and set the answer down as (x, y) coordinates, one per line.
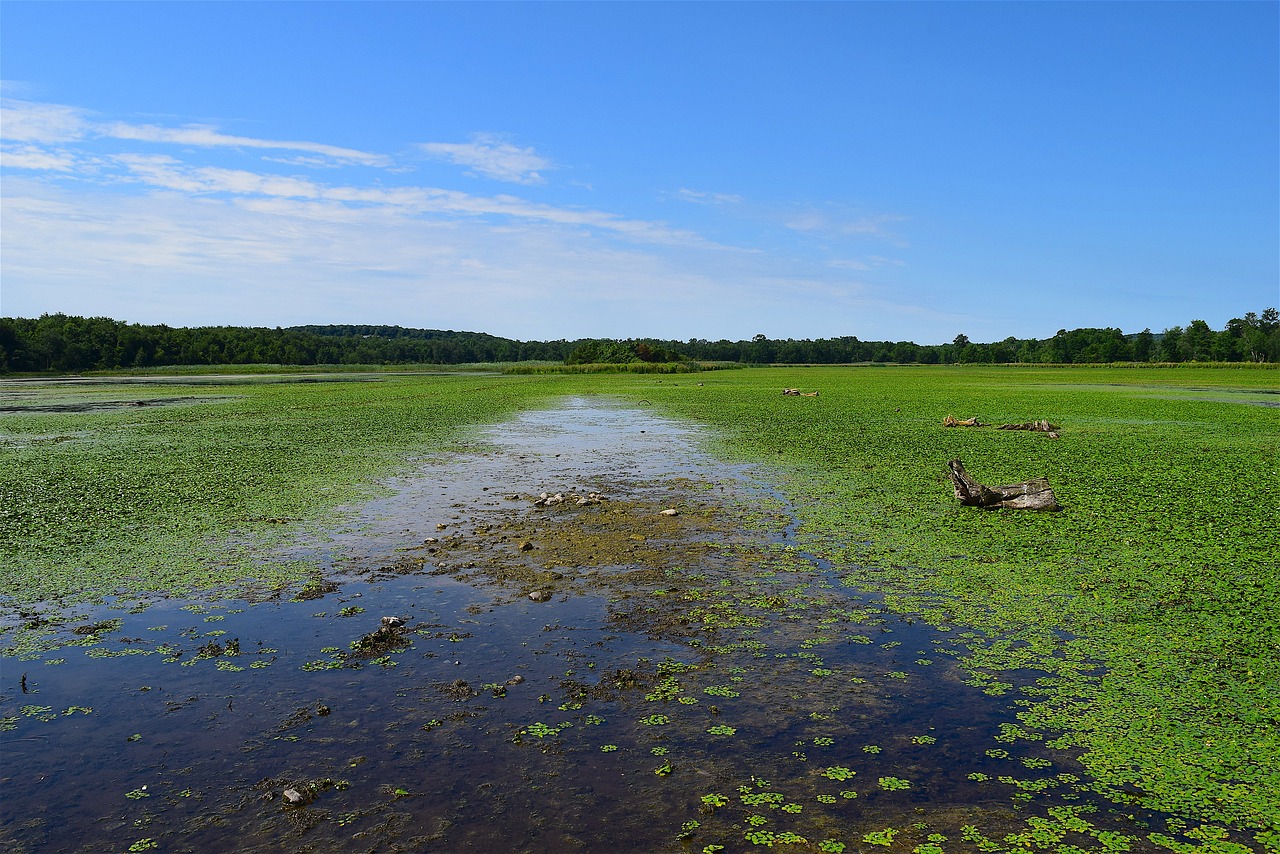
(1132, 636)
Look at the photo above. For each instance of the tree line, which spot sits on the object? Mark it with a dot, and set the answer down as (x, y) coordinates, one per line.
(67, 343)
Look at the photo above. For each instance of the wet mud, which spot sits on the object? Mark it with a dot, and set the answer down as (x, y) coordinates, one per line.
(474, 670)
(36, 407)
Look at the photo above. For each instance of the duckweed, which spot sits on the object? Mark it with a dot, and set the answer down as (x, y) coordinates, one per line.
(1123, 614)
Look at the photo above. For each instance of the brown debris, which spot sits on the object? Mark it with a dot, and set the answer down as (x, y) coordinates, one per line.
(1041, 426)
(1029, 495)
(952, 421)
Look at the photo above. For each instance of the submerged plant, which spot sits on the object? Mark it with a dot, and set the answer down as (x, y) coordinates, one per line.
(880, 837)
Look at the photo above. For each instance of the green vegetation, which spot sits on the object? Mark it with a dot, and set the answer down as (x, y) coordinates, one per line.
(1137, 628)
(607, 352)
(1161, 569)
(57, 342)
(131, 499)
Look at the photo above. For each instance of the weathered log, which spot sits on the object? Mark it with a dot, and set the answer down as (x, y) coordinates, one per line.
(1036, 426)
(952, 421)
(1029, 495)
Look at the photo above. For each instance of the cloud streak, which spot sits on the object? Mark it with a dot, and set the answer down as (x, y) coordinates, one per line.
(699, 197)
(210, 138)
(491, 157)
(192, 225)
(29, 121)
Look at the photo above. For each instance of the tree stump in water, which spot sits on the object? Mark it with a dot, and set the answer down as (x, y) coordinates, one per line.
(1028, 495)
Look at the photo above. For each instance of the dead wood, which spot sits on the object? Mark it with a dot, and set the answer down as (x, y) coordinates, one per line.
(1036, 426)
(952, 421)
(1029, 495)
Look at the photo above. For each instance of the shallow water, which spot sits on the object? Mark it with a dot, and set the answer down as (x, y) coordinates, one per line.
(675, 659)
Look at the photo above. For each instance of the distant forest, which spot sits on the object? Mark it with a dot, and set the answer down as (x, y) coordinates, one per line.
(65, 343)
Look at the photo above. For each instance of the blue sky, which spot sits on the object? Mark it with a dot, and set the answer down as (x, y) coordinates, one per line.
(894, 171)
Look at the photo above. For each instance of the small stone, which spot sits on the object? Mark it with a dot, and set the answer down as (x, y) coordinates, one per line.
(539, 596)
(430, 541)
(293, 797)
(670, 512)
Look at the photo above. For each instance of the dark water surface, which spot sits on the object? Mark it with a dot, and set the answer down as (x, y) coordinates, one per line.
(689, 682)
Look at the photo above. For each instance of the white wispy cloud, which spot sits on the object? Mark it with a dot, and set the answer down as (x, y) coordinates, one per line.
(700, 197)
(178, 257)
(843, 224)
(162, 171)
(492, 157)
(211, 138)
(29, 121)
(168, 173)
(35, 158)
(192, 225)
(867, 262)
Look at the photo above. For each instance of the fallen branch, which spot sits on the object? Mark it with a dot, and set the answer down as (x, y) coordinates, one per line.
(1029, 495)
(952, 421)
(1035, 426)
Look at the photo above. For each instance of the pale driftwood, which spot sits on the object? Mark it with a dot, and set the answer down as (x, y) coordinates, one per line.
(1028, 495)
(952, 421)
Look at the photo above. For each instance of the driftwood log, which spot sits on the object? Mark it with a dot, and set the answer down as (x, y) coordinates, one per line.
(1028, 495)
(1035, 426)
(952, 421)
